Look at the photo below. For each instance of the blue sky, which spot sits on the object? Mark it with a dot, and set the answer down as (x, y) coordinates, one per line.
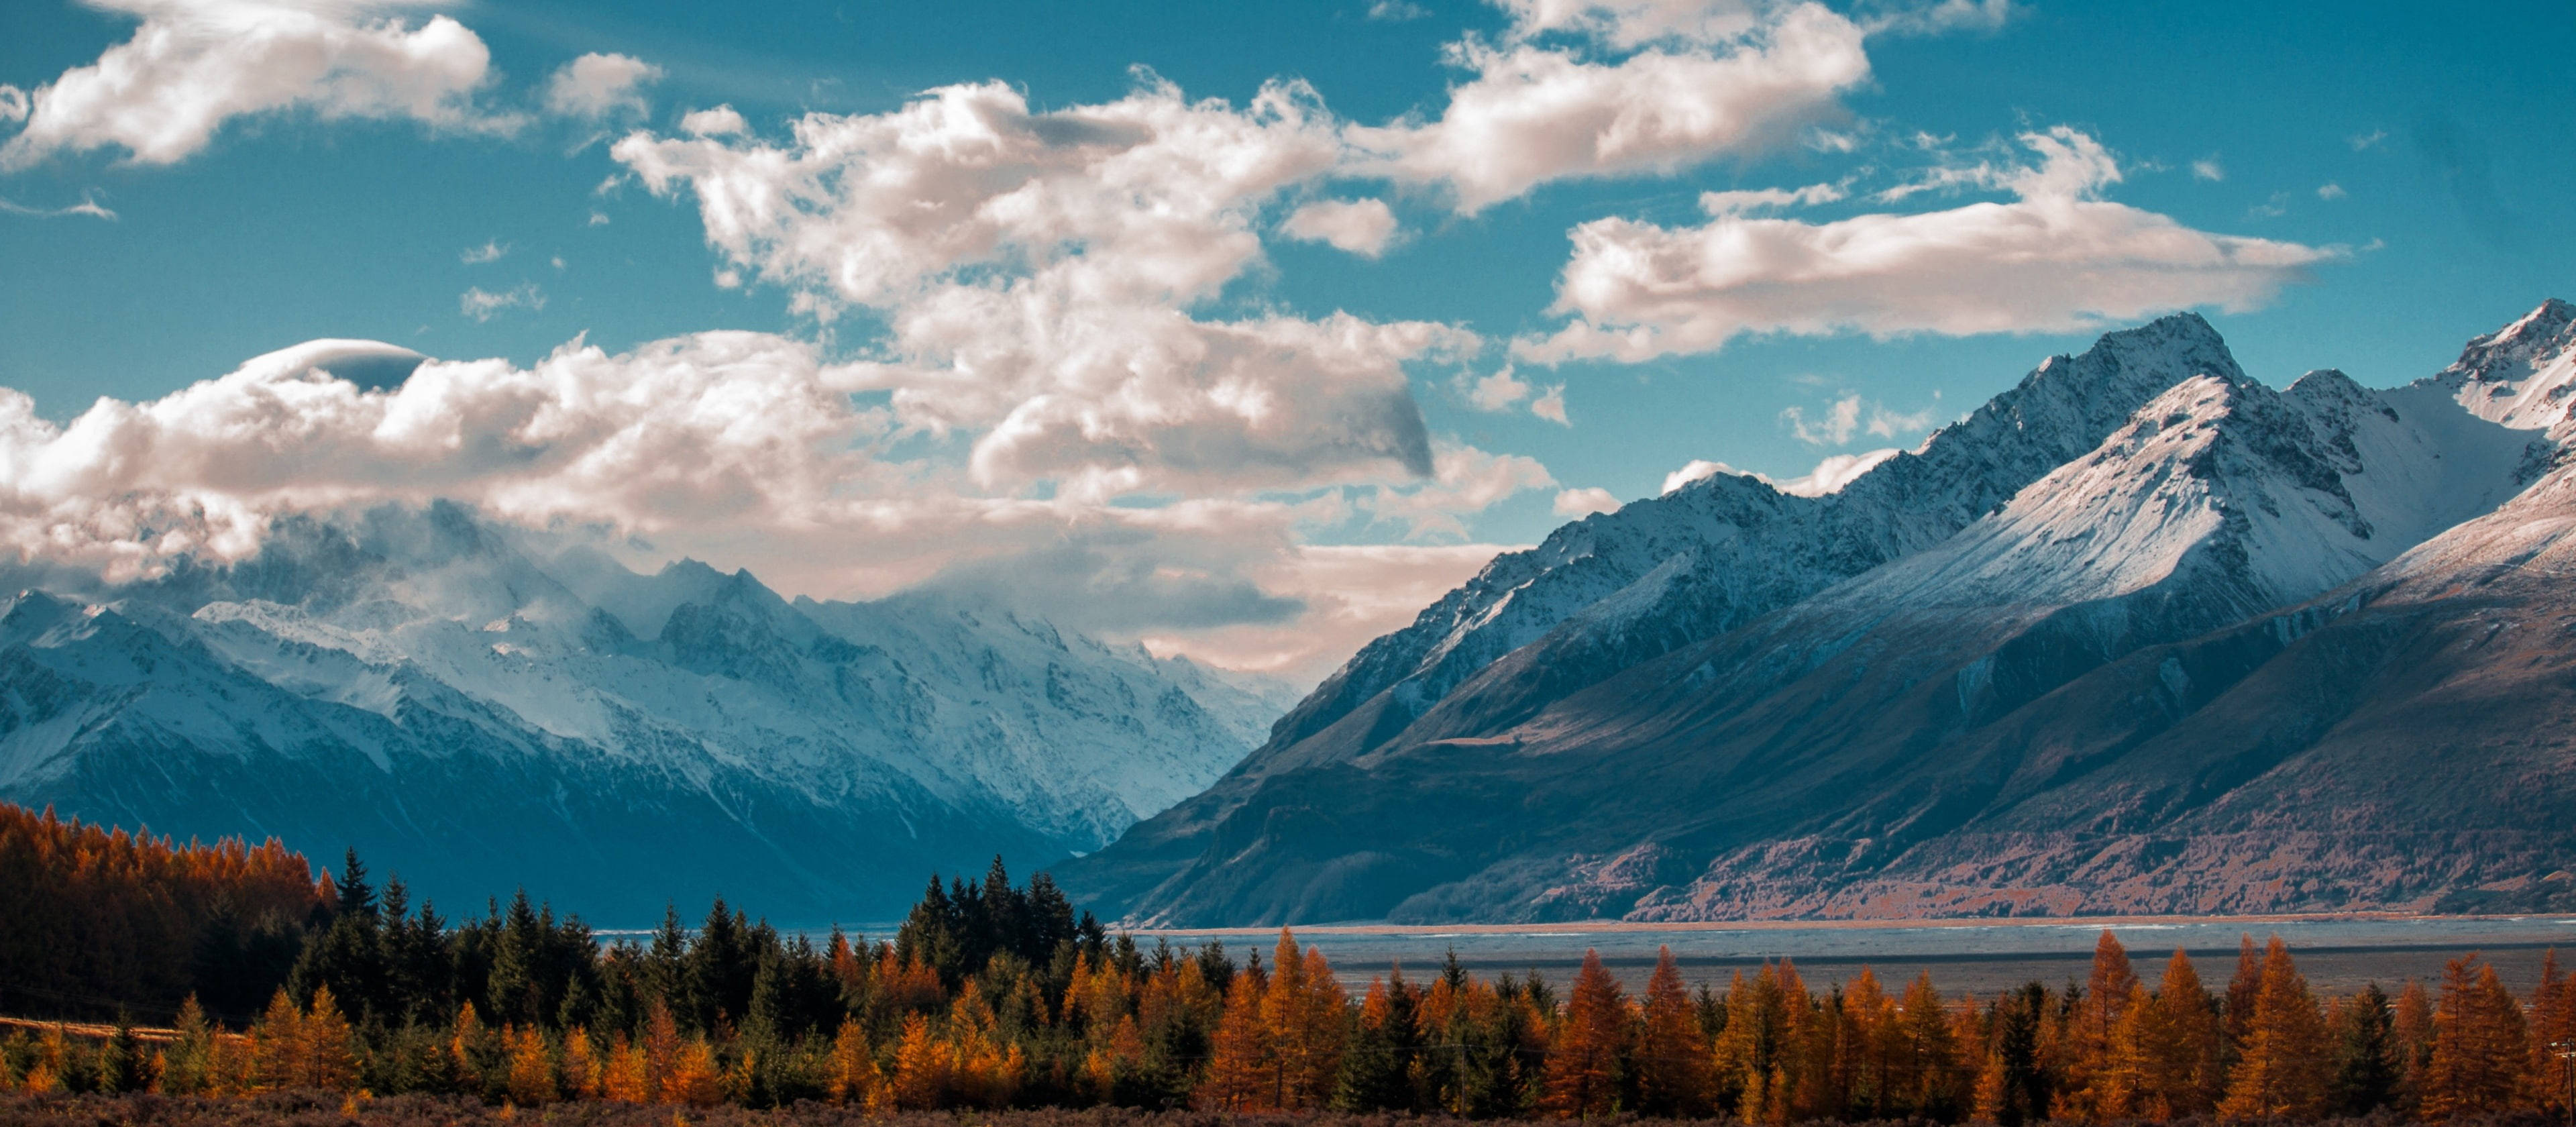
(2355, 186)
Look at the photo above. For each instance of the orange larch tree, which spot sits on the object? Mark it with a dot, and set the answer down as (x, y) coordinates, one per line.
(1582, 1075)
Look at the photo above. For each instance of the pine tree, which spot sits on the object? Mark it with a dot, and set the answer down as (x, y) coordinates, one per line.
(1582, 1075)
(2099, 1084)
(2365, 1055)
(2282, 1071)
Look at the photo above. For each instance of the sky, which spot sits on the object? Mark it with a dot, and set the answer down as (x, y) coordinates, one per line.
(1243, 330)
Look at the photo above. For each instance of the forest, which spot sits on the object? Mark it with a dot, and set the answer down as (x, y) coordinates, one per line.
(995, 996)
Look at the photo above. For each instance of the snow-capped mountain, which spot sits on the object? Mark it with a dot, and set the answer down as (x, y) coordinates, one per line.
(1772, 764)
(478, 708)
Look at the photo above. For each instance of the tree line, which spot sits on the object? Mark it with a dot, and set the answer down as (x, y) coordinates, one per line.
(992, 995)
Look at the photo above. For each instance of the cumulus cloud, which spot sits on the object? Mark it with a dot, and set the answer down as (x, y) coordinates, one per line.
(13, 103)
(483, 305)
(721, 121)
(1361, 227)
(492, 250)
(1038, 271)
(1465, 480)
(2330, 191)
(1717, 79)
(1574, 504)
(195, 64)
(2057, 258)
(1496, 391)
(597, 86)
(1550, 405)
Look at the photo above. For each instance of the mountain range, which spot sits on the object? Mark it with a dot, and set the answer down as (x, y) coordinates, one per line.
(2141, 634)
(478, 708)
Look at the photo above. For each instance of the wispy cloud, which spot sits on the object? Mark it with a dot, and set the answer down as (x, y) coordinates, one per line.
(490, 251)
(88, 206)
(483, 305)
(2208, 168)
(1396, 11)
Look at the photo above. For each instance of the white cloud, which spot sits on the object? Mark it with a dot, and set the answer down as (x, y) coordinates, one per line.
(721, 121)
(1396, 11)
(2208, 168)
(596, 86)
(2330, 191)
(1352, 593)
(1829, 476)
(1037, 273)
(483, 305)
(1465, 480)
(744, 449)
(1361, 227)
(1697, 469)
(1633, 23)
(88, 206)
(13, 103)
(1841, 420)
(1550, 405)
(195, 64)
(1833, 473)
(1573, 504)
(490, 251)
(2055, 259)
(1498, 391)
(2370, 140)
(1764, 199)
(1720, 82)
(1942, 16)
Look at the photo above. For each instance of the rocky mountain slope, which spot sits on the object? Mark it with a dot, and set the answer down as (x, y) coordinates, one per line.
(477, 708)
(1805, 760)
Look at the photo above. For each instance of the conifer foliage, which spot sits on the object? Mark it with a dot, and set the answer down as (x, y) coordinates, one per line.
(992, 995)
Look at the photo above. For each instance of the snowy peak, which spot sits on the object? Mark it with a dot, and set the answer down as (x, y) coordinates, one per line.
(2522, 374)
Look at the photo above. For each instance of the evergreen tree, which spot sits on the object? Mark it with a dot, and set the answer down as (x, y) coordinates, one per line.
(2365, 1054)
(2481, 1048)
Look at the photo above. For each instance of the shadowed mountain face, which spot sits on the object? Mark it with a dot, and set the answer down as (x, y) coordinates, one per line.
(2024, 679)
(478, 710)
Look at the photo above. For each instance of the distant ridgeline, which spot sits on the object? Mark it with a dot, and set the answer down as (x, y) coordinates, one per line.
(992, 996)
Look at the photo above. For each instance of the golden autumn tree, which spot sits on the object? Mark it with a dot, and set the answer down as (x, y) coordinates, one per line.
(1239, 1063)
(1673, 1066)
(2413, 1028)
(855, 1078)
(923, 1067)
(1924, 1055)
(2553, 1031)
(695, 1080)
(1749, 1049)
(1581, 1078)
(2481, 1048)
(2282, 1069)
(2176, 1041)
(2100, 1074)
(1303, 1012)
(277, 1045)
(532, 1067)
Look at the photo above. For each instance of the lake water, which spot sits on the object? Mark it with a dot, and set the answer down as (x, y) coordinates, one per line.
(2338, 955)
